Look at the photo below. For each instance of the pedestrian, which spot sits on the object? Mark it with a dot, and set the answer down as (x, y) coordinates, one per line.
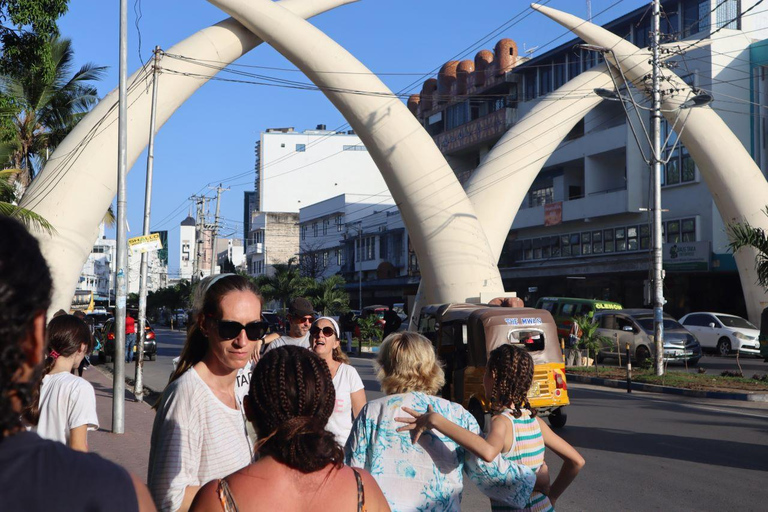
(199, 433)
(130, 337)
(426, 475)
(63, 408)
(299, 465)
(392, 322)
(301, 314)
(350, 392)
(572, 350)
(347, 325)
(516, 432)
(37, 474)
(86, 362)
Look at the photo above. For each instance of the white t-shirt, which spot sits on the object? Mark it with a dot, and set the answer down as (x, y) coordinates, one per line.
(196, 438)
(285, 340)
(345, 382)
(243, 381)
(66, 402)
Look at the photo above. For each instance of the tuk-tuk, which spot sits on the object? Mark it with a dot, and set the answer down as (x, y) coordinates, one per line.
(464, 334)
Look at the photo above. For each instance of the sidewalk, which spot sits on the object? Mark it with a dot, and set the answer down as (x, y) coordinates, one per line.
(131, 449)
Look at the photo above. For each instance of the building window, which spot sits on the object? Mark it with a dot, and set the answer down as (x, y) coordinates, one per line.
(541, 196)
(314, 229)
(339, 223)
(545, 79)
(586, 243)
(574, 64)
(529, 79)
(356, 147)
(560, 72)
(457, 115)
(325, 226)
(326, 259)
(339, 261)
(608, 242)
(300, 148)
(303, 232)
(728, 14)
(695, 16)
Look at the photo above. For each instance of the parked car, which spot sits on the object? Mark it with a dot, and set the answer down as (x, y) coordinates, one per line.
(635, 326)
(96, 321)
(565, 309)
(723, 333)
(108, 342)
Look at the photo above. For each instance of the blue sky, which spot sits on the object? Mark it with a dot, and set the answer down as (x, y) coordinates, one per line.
(212, 135)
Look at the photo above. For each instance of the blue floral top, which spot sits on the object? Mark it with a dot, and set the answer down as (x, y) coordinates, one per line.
(428, 476)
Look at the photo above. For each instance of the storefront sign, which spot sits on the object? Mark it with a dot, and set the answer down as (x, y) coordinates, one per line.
(687, 256)
(147, 243)
(553, 213)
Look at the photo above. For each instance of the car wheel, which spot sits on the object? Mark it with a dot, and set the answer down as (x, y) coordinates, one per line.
(558, 418)
(152, 357)
(642, 354)
(476, 410)
(724, 346)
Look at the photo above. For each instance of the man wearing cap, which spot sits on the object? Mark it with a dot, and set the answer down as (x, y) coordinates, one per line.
(301, 314)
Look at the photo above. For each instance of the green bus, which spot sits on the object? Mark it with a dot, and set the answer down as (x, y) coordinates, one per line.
(565, 309)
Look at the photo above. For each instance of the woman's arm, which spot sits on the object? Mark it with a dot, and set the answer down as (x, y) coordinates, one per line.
(487, 449)
(572, 461)
(358, 401)
(189, 495)
(259, 344)
(78, 438)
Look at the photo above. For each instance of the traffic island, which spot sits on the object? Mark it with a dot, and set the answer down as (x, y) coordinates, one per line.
(700, 385)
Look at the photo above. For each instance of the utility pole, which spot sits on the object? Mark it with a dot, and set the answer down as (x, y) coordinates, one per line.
(215, 228)
(656, 156)
(589, 11)
(118, 382)
(200, 202)
(138, 389)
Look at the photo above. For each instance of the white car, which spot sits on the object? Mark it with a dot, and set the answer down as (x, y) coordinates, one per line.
(723, 333)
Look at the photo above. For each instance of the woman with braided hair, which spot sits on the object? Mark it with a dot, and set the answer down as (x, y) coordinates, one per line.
(199, 433)
(516, 433)
(300, 466)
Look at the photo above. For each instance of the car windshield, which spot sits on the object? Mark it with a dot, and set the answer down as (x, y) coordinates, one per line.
(647, 324)
(736, 322)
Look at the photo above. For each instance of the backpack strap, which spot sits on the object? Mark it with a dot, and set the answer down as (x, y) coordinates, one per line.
(226, 499)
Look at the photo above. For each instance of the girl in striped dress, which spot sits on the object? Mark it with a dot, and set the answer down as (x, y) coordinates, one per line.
(516, 433)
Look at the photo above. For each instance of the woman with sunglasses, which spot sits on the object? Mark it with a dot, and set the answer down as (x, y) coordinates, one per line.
(199, 432)
(350, 392)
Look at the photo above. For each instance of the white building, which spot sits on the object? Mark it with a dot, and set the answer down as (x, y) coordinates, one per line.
(157, 272)
(298, 169)
(187, 248)
(97, 274)
(230, 250)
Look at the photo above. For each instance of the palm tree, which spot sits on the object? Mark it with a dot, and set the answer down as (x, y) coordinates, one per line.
(285, 284)
(744, 235)
(44, 110)
(9, 196)
(329, 296)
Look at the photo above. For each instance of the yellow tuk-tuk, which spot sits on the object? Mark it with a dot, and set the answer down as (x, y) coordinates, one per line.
(464, 334)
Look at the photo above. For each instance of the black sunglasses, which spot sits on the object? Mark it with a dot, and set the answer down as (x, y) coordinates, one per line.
(327, 331)
(229, 330)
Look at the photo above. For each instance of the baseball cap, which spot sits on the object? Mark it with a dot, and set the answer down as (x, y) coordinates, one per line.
(300, 307)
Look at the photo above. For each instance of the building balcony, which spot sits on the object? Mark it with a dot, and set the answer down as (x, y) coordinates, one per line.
(255, 248)
(597, 204)
(474, 133)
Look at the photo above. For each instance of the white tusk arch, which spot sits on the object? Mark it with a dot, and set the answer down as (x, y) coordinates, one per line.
(739, 189)
(79, 181)
(447, 237)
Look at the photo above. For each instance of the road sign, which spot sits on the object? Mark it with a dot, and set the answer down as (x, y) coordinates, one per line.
(141, 244)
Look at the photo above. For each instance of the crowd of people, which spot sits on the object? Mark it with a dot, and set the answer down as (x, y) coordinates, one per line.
(251, 421)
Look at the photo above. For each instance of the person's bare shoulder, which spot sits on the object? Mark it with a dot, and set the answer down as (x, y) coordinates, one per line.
(207, 498)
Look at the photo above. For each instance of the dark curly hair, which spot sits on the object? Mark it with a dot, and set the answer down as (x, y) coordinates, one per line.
(66, 333)
(25, 292)
(292, 395)
(512, 373)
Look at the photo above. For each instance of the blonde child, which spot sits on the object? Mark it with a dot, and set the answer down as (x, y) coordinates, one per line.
(516, 433)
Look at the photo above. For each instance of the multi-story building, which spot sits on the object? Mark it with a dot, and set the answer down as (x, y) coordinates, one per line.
(582, 229)
(187, 248)
(233, 253)
(297, 169)
(157, 271)
(97, 276)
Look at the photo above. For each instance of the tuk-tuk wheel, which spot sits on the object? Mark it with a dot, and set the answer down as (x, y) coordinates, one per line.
(557, 418)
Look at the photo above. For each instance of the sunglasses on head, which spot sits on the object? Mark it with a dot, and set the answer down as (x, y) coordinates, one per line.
(327, 331)
(229, 330)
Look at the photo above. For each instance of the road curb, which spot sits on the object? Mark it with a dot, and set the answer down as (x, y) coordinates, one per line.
(654, 388)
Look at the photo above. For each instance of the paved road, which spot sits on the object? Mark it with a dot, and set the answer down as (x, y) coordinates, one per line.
(644, 451)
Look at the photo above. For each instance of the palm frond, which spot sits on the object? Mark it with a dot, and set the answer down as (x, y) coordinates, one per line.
(26, 217)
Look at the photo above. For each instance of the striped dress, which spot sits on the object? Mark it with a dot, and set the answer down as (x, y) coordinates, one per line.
(527, 449)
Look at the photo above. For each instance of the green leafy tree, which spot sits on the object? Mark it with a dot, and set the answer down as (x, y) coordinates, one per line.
(9, 196)
(286, 283)
(743, 235)
(369, 330)
(329, 296)
(43, 110)
(590, 339)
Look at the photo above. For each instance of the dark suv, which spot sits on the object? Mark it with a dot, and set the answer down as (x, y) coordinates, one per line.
(108, 342)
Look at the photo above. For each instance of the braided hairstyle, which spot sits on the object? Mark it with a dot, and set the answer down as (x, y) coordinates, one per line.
(66, 333)
(512, 372)
(292, 396)
(25, 293)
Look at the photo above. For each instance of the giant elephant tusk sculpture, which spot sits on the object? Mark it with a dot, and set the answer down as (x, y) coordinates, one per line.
(447, 237)
(736, 183)
(79, 181)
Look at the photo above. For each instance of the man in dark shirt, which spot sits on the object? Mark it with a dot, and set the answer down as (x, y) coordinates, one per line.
(38, 474)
